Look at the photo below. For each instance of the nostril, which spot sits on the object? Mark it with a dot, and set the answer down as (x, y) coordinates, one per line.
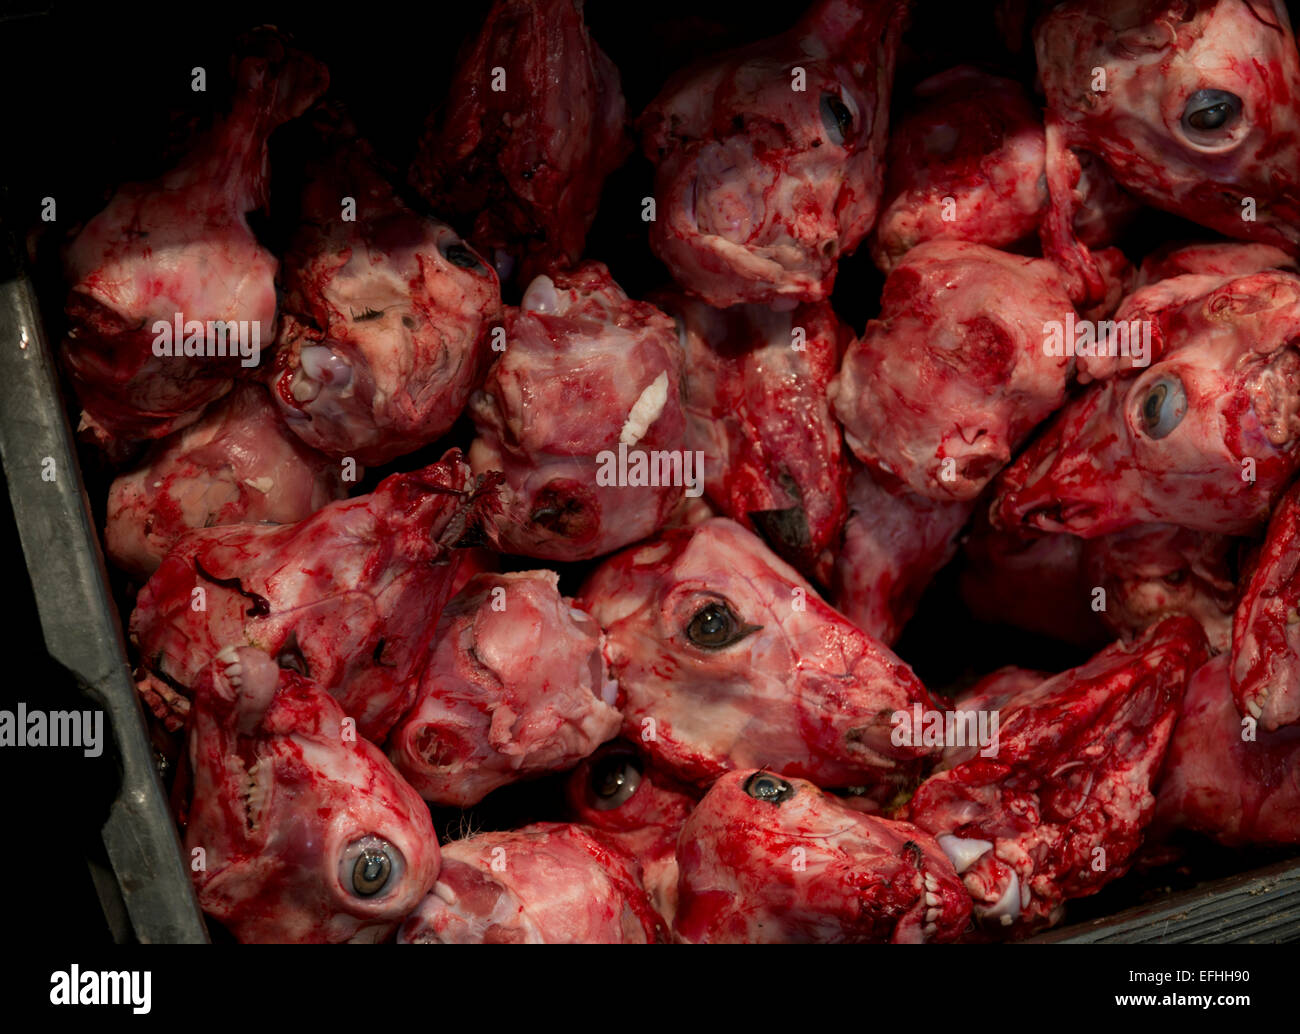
(567, 509)
(436, 747)
(981, 467)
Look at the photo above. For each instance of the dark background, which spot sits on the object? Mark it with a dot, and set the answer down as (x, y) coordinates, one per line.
(94, 96)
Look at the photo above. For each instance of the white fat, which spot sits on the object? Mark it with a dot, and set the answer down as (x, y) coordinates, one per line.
(541, 296)
(963, 853)
(645, 411)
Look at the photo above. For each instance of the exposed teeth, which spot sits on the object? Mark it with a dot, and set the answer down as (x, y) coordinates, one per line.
(933, 899)
(1254, 708)
(445, 892)
(932, 914)
(302, 387)
(928, 929)
(963, 852)
(262, 484)
(1007, 907)
(325, 367)
(541, 296)
(228, 658)
(930, 882)
(254, 796)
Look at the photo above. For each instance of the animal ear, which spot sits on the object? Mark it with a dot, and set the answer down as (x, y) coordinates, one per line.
(1157, 32)
(1265, 307)
(1265, 12)
(1080, 274)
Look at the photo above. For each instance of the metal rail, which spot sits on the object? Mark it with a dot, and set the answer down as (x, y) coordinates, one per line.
(1258, 907)
(79, 621)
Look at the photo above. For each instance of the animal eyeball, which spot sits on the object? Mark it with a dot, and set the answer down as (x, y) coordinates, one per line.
(614, 779)
(716, 625)
(764, 786)
(291, 659)
(460, 254)
(1209, 113)
(1163, 407)
(836, 118)
(370, 866)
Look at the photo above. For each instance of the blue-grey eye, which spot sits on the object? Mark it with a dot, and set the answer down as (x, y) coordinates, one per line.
(370, 866)
(836, 118)
(460, 254)
(1210, 112)
(1163, 407)
(764, 786)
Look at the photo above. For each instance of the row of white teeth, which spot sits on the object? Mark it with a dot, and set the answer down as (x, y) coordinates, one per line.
(233, 669)
(933, 906)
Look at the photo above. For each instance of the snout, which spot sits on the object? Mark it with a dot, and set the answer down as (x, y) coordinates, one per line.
(1077, 477)
(319, 368)
(731, 185)
(968, 460)
(865, 718)
(567, 509)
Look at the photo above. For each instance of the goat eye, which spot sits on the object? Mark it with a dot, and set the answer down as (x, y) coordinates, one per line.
(716, 625)
(1163, 407)
(837, 120)
(764, 786)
